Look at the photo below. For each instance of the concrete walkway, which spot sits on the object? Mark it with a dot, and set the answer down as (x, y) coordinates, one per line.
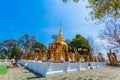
(21, 73)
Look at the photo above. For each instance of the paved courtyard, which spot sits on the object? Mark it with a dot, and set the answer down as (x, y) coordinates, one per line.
(21, 73)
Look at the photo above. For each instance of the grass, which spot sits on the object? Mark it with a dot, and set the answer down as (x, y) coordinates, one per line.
(3, 69)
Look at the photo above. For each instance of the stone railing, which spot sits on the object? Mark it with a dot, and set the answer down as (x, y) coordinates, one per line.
(49, 68)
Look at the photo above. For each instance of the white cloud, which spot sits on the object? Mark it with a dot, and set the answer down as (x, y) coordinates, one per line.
(73, 19)
(104, 41)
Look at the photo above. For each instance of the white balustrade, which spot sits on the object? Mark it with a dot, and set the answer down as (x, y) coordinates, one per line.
(93, 65)
(57, 68)
(44, 68)
(84, 66)
(50, 68)
(73, 67)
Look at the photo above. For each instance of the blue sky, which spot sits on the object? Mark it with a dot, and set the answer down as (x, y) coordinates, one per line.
(42, 18)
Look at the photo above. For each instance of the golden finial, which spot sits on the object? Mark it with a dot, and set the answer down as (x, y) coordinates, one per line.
(60, 36)
(60, 24)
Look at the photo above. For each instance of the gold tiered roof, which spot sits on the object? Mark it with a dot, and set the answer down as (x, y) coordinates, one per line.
(60, 38)
(60, 48)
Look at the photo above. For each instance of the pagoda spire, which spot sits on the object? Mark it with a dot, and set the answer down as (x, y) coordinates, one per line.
(60, 36)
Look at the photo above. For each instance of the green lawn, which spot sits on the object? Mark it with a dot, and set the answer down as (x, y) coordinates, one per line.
(3, 69)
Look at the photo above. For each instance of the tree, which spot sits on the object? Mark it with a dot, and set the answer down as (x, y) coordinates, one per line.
(103, 10)
(68, 42)
(26, 42)
(39, 45)
(112, 34)
(15, 52)
(91, 41)
(79, 42)
(54, 37)
(73, 0)
(6, 47)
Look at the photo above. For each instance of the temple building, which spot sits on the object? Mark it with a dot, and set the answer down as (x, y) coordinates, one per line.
(58, 52)
(60, 48)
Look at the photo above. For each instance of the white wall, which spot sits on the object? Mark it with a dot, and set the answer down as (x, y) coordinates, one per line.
(49, 68)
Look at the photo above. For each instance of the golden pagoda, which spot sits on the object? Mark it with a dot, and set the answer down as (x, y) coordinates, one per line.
(60, 48)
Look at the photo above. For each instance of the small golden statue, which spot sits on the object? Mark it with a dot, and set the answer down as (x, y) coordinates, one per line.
(112, 58)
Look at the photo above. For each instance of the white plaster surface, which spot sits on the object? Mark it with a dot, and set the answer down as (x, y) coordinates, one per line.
(50, 68)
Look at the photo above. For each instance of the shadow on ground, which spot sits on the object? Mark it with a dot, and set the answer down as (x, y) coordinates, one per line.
(113, 65)
(35, 73)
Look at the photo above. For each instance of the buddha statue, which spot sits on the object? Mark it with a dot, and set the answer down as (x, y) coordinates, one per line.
(44, 57)
(94, 59)
(103, 59)
(115, 58)
(90, 57)
(40, 56)
(77, 57)
(109, 58)
(85, 57)
(22, 57)
(71, 56)
(82, 59)
(52, 58)
(85, 54)
(49, 53)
